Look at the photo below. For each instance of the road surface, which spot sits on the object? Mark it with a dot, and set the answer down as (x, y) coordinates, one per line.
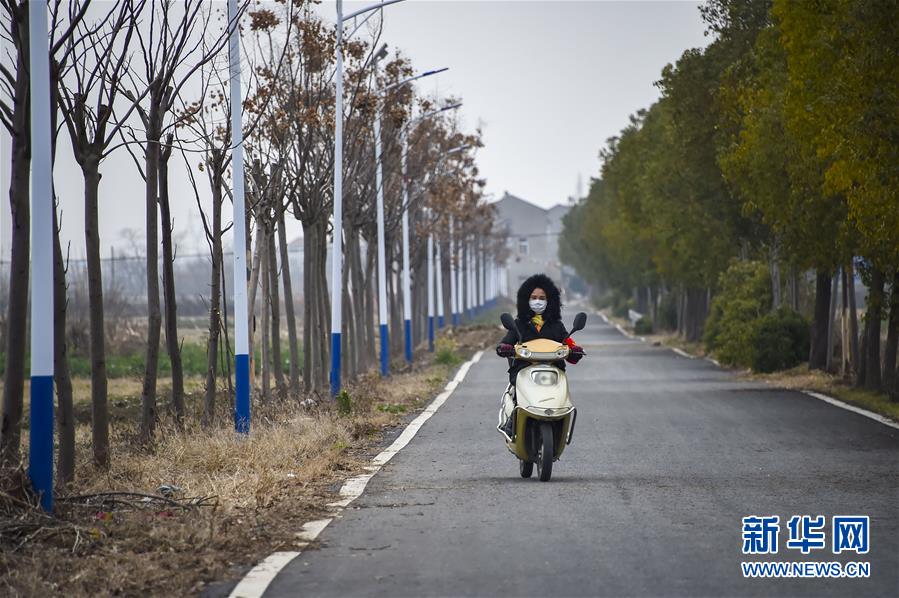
(669, 454)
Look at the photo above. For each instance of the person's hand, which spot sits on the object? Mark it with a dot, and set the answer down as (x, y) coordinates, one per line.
(575, 354)
(505, 350)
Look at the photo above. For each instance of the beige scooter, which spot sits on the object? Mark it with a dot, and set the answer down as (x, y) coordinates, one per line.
(543, 416)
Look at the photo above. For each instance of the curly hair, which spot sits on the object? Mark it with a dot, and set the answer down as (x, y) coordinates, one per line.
(553, 299)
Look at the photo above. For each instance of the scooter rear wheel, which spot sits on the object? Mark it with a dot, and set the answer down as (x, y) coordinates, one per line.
(545, 448)
(525, 468)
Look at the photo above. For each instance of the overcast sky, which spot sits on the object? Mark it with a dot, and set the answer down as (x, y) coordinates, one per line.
(548, 82)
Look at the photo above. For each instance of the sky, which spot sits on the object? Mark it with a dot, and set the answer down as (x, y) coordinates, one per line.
(547, 81)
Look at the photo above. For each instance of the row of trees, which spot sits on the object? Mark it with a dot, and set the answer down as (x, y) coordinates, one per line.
(779, 143)
(151, 78)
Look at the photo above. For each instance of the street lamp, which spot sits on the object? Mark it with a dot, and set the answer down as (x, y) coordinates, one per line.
(337, 247)
(379, 168)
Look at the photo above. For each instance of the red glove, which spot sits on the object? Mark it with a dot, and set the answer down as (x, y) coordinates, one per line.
(575, 352)
(505, 350)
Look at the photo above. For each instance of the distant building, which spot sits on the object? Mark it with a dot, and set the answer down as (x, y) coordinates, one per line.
(532, 239)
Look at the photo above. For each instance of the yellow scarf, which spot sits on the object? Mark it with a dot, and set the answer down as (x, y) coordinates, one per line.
(537, 321)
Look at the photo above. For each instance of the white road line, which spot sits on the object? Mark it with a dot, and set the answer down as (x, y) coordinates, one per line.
(623, 331)
(254, 583)
(257, 580)
(682, 353)
(837, 403)
(713, 360)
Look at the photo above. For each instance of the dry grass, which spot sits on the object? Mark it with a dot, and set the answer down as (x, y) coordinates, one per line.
(237, 498)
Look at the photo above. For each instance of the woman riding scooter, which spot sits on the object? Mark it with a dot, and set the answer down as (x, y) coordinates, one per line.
(539, 316)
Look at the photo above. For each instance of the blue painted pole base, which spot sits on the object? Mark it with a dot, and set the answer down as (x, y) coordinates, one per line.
(440, 322)
(385, 351)
(455, 318)
(335, 363)
(242, 394)
(431, 334)
(40, 450)
(407, 334)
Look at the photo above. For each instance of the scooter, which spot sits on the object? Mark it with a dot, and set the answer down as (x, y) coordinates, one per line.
(543, 416)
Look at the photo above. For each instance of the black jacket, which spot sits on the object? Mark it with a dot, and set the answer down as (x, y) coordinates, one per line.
(552, 328)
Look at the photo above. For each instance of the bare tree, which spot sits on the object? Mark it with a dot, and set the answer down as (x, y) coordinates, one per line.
(87, 91)
(174, 48)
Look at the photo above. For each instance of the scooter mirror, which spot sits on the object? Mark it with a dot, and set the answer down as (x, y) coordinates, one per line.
(508, 321)
(580, 320)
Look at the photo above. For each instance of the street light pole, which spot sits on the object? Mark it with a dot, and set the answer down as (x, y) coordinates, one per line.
(454, 304)
(407, 290)
(430, 292)
(337, 241)
(241, 317)
(407, 281)
(382, 266)
(441, 313)
(40, 448)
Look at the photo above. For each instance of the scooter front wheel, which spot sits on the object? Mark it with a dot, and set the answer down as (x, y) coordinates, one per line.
(525, 468)
(545, 448)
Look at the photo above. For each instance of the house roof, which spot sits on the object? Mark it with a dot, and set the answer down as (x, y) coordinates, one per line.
(524, 217)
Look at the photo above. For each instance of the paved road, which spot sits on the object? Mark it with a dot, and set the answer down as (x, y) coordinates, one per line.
(669, 454)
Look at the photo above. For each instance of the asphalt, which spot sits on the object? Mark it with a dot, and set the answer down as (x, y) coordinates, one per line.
(669, 454)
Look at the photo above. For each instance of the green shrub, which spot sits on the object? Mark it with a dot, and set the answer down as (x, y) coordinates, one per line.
(445, 352)
(344, 402)
(643, 326)
(781, 341)
(744, 298)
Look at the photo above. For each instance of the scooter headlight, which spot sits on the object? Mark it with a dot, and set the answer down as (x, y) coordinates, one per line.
(545, 377)
(524, 352)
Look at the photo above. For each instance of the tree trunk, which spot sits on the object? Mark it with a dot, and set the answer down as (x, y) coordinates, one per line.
(215, 278)
(324, 304)
(794, 287)
(873, 316)
(831, 313)
(845, 364)
(17, 309)
(289, 309)
(154, 318)
(168, 285)
(853, 320)
(349, 347)
(310, 380)
(695, 313)
(275, 305)
(266, 316)
(99, 396)
(775, 281)
(252, 289)
(889, 353)
(817, 359)
(65, 418)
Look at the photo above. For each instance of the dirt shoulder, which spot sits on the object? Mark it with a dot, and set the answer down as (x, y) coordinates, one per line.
(202, 505)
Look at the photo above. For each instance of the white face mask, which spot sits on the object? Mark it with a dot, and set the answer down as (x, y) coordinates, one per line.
(537, 305)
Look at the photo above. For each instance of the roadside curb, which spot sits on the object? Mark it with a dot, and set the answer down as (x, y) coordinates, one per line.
(849, 407)
(257, 580)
